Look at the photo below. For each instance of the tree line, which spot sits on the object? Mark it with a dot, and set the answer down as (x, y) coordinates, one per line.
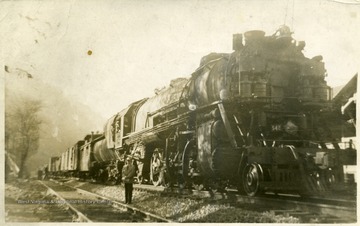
(22, 131)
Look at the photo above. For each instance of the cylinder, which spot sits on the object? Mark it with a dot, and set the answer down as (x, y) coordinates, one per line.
(150, 138)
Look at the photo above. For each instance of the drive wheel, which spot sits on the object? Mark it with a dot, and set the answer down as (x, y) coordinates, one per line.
(157, 168)
(251, 179)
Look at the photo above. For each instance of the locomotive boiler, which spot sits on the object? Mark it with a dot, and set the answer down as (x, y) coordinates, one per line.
(254, 119)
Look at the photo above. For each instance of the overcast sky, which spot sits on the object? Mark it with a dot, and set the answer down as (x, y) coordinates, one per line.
(137, 46)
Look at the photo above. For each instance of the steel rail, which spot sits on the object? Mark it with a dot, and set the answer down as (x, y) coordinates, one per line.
(80, 215)
(342, 209)
(127, 206)
(345, 209)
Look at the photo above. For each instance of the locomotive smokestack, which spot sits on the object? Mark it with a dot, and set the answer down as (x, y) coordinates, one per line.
(237, 42)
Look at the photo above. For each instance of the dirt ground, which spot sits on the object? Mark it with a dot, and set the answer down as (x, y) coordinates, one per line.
(28, 201)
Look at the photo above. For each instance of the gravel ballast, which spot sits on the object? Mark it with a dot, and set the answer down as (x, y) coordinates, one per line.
(182, 209)
(29, 201)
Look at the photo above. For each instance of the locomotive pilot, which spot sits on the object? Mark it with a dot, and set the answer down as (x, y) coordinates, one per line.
(128, 173)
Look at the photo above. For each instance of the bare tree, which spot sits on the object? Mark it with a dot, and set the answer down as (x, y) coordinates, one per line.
(22, 130)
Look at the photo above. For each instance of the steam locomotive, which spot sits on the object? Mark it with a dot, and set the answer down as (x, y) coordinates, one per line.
(254, 119)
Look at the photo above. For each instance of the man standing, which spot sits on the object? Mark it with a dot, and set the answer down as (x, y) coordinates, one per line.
(128, 173)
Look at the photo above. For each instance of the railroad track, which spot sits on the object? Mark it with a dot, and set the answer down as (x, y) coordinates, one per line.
(333, 209)
(90, 207)
(329, 210)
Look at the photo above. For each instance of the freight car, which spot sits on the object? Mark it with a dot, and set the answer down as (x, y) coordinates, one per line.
(54, 166)
(255, 119)
(76, 161)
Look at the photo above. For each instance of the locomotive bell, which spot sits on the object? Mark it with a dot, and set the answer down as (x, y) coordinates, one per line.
(283, 36)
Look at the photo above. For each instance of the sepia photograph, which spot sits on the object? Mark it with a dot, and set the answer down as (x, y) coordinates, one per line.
(207, 111)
